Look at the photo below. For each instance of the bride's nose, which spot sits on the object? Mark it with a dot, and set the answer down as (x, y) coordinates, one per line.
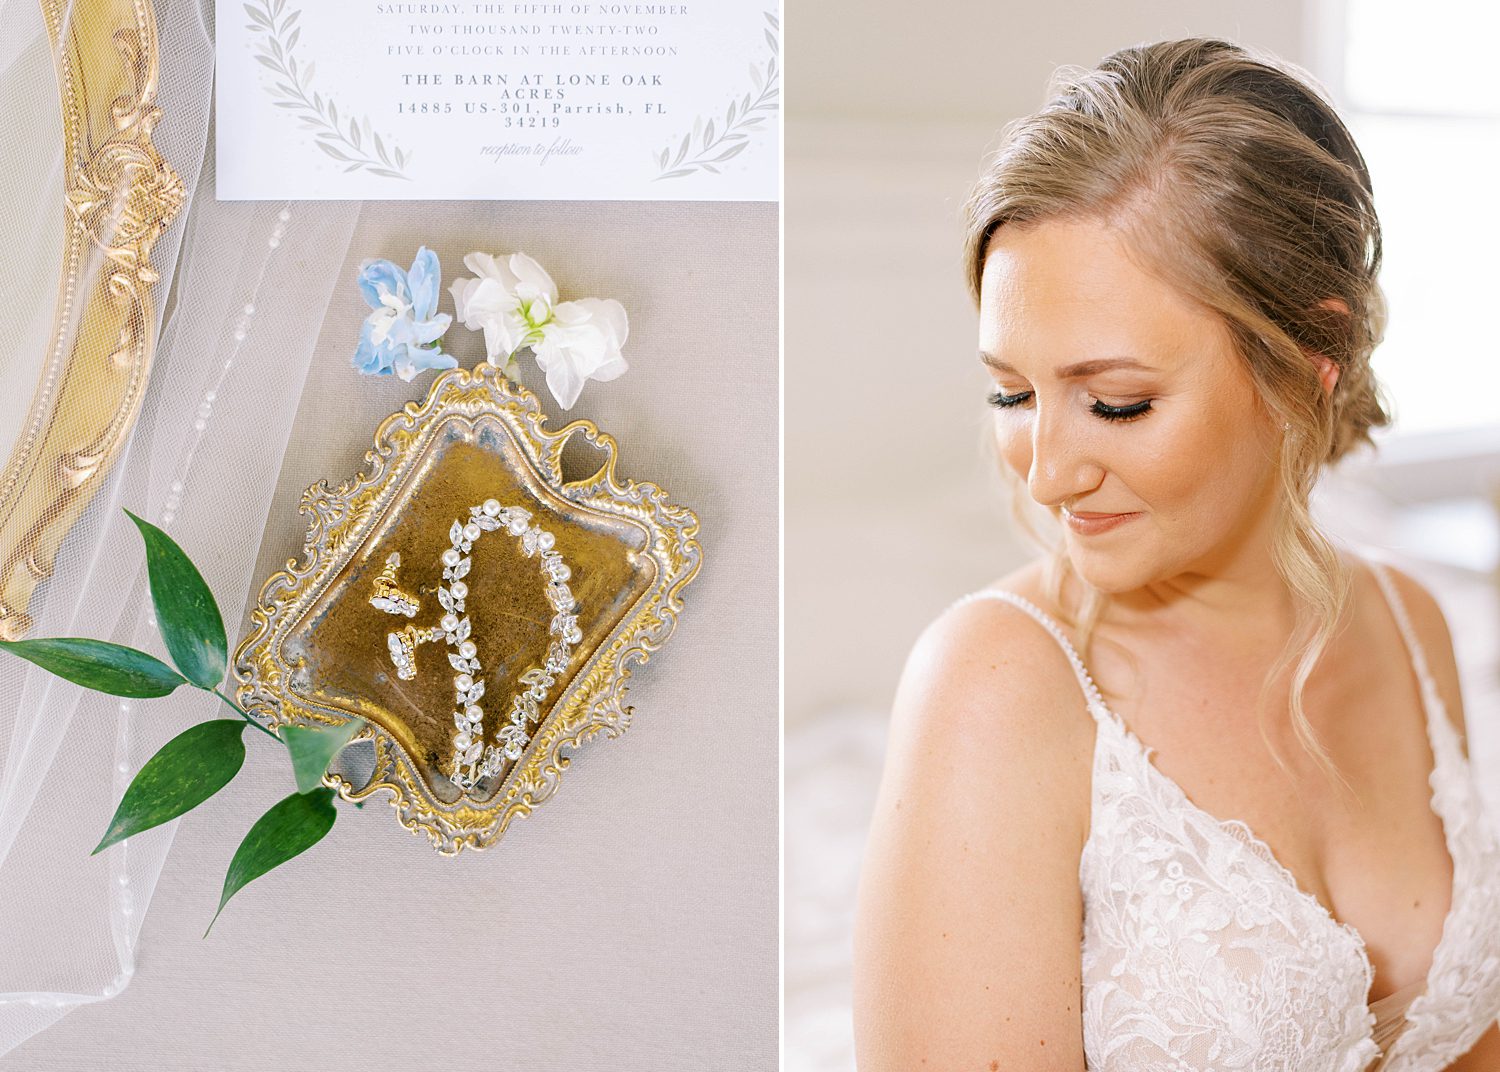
(1062, 466)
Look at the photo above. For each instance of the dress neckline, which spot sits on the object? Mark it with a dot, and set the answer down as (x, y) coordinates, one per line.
(1241, 831)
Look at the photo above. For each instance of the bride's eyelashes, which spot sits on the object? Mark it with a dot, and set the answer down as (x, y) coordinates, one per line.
(1001, 400)
(1103, 410)
(1122, 413)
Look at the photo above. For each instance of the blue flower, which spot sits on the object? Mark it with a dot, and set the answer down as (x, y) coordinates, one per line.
(401, 334)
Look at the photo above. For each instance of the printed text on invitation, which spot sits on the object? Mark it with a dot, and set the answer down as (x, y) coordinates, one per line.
(373, 99)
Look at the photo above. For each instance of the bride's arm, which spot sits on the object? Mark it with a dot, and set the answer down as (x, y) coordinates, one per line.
(969, 924)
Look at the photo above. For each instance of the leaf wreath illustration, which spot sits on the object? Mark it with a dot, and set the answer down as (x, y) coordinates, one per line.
(717, 144)
(347, 139)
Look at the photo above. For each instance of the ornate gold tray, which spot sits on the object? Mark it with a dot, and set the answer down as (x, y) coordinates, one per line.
(478, 610)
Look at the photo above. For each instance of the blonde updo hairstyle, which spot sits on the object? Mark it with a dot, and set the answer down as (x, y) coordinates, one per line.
(1233, 179)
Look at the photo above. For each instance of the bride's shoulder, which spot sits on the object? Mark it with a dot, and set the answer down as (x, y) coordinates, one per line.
(985, 665)
(989, 752)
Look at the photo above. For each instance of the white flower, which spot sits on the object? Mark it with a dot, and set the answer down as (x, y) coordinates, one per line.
(514, 301)
(582, 342)
(510, 301)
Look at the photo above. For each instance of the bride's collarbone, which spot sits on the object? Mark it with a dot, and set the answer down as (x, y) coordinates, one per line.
(1222, 737)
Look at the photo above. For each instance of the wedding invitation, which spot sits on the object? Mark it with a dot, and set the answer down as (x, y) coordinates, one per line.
(374, 100)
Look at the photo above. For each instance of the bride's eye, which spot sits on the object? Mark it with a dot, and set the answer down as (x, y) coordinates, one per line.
(1001, 400)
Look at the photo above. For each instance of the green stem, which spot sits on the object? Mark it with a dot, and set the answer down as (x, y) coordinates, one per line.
(244, 716)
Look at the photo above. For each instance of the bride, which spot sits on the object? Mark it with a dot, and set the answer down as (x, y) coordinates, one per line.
(1191, 792)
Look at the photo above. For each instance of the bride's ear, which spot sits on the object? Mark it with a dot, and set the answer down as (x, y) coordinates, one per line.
(1328, 372)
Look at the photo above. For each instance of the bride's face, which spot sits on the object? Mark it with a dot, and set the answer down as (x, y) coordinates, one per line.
(1122, 405)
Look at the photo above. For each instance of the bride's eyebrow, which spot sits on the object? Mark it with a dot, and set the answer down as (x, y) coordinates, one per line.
(1073, 371)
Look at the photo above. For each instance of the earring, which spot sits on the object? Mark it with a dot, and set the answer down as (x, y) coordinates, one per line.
(388, 597)
(403, 647)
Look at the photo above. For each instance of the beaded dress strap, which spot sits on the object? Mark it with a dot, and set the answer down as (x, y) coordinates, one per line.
(1403, 622)
(1096, 705)
(1441, 734)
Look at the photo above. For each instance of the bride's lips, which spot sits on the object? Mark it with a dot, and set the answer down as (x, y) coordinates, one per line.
(1092, 523)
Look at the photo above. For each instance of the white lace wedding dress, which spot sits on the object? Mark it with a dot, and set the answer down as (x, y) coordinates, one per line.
(1201, 952)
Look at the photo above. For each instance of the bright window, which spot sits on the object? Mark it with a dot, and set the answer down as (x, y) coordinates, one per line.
(1420, 96)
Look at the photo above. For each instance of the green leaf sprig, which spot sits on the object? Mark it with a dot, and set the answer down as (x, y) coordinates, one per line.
(203, 759)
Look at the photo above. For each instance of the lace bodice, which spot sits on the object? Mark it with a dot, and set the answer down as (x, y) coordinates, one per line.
(1201, 952)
